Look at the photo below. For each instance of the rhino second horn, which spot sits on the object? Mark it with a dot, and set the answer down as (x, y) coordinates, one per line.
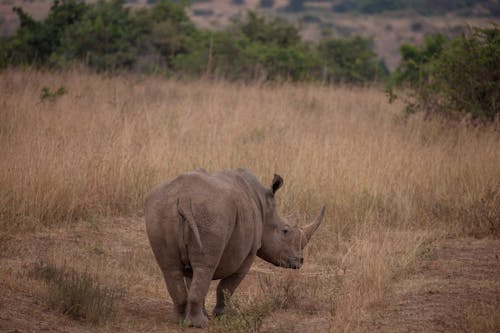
(311, 228)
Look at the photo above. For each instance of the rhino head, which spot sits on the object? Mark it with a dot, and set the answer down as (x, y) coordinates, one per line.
(283, 242)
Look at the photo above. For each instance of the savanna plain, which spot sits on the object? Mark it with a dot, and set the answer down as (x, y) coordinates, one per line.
(409, 241)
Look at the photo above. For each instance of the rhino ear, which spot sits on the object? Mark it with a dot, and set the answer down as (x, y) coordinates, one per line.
(277, 183)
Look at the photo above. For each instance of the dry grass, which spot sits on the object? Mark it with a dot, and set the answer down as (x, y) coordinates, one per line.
(99, 148)
(374, 259)
(483, 318)
(77, 294)
(387, 182)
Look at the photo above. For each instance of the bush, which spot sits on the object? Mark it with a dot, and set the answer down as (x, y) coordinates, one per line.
(35, 42)
(415, 60)
(350, 60)
(106, 38)
(457, 77)
(466, 75)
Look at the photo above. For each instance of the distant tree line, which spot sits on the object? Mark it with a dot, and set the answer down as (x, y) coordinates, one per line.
(108, 36)
(423, 7)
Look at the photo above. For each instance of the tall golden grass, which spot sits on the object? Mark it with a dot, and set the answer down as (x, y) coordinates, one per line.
(99, 148)
(388, 180)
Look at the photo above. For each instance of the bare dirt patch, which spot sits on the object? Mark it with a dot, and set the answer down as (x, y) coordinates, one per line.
(118, 253)
(456, 288)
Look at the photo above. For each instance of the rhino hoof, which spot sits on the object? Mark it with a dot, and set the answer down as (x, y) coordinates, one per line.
(218, 311)
(196, 321)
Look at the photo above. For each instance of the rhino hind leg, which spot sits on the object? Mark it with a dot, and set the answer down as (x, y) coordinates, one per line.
(195, 315)
(188, 285)
(177, 290)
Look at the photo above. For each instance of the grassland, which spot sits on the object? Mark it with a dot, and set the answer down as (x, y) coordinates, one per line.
(75, 169)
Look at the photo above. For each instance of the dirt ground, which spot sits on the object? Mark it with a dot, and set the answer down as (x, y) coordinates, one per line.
(454, 287)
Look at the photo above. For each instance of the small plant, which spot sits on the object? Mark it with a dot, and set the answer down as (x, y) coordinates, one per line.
(48, 94)
(283, 291)
(242, 315)
(77, 294)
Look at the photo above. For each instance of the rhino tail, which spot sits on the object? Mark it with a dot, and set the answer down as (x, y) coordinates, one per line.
(187, 216)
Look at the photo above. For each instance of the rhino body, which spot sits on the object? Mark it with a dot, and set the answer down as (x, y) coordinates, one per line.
(205, 227)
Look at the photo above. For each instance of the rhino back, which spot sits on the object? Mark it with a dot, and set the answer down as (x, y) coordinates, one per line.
(223, 210)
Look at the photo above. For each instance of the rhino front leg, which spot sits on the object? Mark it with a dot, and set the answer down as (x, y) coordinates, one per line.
(198, 289)
(228, 285)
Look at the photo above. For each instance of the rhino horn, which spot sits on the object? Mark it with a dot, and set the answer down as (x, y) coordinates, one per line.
(309, 229)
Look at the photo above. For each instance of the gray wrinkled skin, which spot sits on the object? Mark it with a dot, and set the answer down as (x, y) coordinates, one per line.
(205, 227)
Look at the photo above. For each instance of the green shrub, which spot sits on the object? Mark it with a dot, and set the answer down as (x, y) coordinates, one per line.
(168, 29)
(415, 60)
(35, 42)
(350, 60)
(106, 38)
(48, 94)
(466, 75)
(458, 77)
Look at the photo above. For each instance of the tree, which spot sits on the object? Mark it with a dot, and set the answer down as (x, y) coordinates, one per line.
(35, 42)
(457, 77)
(350, 60)
(105, 38)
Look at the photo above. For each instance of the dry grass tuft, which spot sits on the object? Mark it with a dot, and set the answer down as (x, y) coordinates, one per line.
(77, 294)
(244, 315)
(371, 262)
(307, 292)
(483, 318)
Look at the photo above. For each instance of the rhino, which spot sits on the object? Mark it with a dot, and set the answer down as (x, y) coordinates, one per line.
(205, 227)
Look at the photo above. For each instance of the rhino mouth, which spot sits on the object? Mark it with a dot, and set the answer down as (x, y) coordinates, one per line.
(291, 265)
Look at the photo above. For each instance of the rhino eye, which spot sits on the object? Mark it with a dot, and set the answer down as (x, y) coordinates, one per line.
(285, 231)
